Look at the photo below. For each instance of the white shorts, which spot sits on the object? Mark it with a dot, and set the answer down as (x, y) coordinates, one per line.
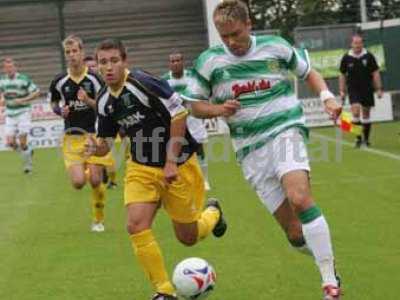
(197, 129)
(264, 167)
(18, 125)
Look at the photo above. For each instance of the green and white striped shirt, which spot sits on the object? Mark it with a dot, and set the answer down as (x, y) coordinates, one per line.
(260, 81)
(13, 88)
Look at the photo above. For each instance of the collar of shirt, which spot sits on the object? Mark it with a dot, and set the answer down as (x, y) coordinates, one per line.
(117, 92)
(363, 52)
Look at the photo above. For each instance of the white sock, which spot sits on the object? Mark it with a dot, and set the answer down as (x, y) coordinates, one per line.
(27, 157)
(204, 168)
(317, 236)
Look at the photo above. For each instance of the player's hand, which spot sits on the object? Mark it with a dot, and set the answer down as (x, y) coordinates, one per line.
(82, 95)
(65, 111)
(379, 93)
(229, 107)
(19, 101)
(333, 108)
(90, 146)
(170, 172)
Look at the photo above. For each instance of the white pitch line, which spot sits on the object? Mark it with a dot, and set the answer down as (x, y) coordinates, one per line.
(370, 150)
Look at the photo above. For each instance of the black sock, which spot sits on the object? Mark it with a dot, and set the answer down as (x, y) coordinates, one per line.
(366, 131)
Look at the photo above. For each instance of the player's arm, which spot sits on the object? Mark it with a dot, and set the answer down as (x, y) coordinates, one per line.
(174, 147)
(33, 93)
(377, 81)
(318, 85)
(107, 130)
(54, 97)
(2, 100)
(299, 63)
(84, 97)
(205, 110)
(29, 98)
(198, 93)
(98, 147)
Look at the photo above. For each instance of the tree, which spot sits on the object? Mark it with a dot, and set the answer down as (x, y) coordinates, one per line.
(286, 15)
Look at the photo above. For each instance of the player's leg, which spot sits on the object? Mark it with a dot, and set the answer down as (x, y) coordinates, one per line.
(112, 176)
(77, 175)
(291, 225)
(11, 141)
(26, 152)
(366, 121)
(314, 227)
(24, 126)
(356, 112)
(184, 202)
(98, 196)
(141, 196)
(210, 220)
(11, 130)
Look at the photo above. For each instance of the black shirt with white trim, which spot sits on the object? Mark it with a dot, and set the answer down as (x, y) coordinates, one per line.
(358, 70)
(144, 109)
(64, 88)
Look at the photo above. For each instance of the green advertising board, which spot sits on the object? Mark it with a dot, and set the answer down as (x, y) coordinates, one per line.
(327, 62)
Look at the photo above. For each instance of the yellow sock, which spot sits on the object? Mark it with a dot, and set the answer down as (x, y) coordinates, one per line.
(207, 221)
(112, 176)
(149, 255)
(98, 199)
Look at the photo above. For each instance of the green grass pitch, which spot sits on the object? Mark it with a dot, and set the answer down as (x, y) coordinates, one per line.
(47, 251)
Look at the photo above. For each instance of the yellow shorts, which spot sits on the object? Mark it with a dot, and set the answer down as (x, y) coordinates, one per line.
(73, 150)
(183, 199)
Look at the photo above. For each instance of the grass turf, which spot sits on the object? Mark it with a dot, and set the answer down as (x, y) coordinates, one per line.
(48, 252)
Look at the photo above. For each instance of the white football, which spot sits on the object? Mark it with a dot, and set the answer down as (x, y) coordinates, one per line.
(194, 278)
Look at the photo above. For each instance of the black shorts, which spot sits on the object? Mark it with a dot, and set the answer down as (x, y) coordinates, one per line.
(365, 99)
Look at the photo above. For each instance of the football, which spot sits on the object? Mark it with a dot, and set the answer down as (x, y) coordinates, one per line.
(194, 278)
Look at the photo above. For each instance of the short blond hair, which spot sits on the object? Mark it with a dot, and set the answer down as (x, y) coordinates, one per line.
(230, 11)
(73, 39)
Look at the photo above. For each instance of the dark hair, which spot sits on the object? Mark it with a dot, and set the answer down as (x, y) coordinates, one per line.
(88, 58)
(109, 44)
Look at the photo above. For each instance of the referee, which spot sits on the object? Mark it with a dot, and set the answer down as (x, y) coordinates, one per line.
(360, 76)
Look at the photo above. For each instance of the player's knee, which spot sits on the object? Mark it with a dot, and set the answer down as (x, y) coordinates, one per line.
(299, 198)
(135, 226)
(95, 181)
(78, 183)
(296, 238)
(187, 239)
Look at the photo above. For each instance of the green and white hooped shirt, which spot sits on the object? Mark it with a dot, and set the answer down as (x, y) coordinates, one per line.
(260, 81)
(13, 88)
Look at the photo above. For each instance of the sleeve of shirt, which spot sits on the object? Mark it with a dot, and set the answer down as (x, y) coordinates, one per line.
(343, 65)
(97, 82)
(297, 59)
(31, 87)
(373, 65)
(299, 62)
(198, 88)
(53, 95)
(160, 88)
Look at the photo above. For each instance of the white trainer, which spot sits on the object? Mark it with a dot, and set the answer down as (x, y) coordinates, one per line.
(207, 186)
(97, 227)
